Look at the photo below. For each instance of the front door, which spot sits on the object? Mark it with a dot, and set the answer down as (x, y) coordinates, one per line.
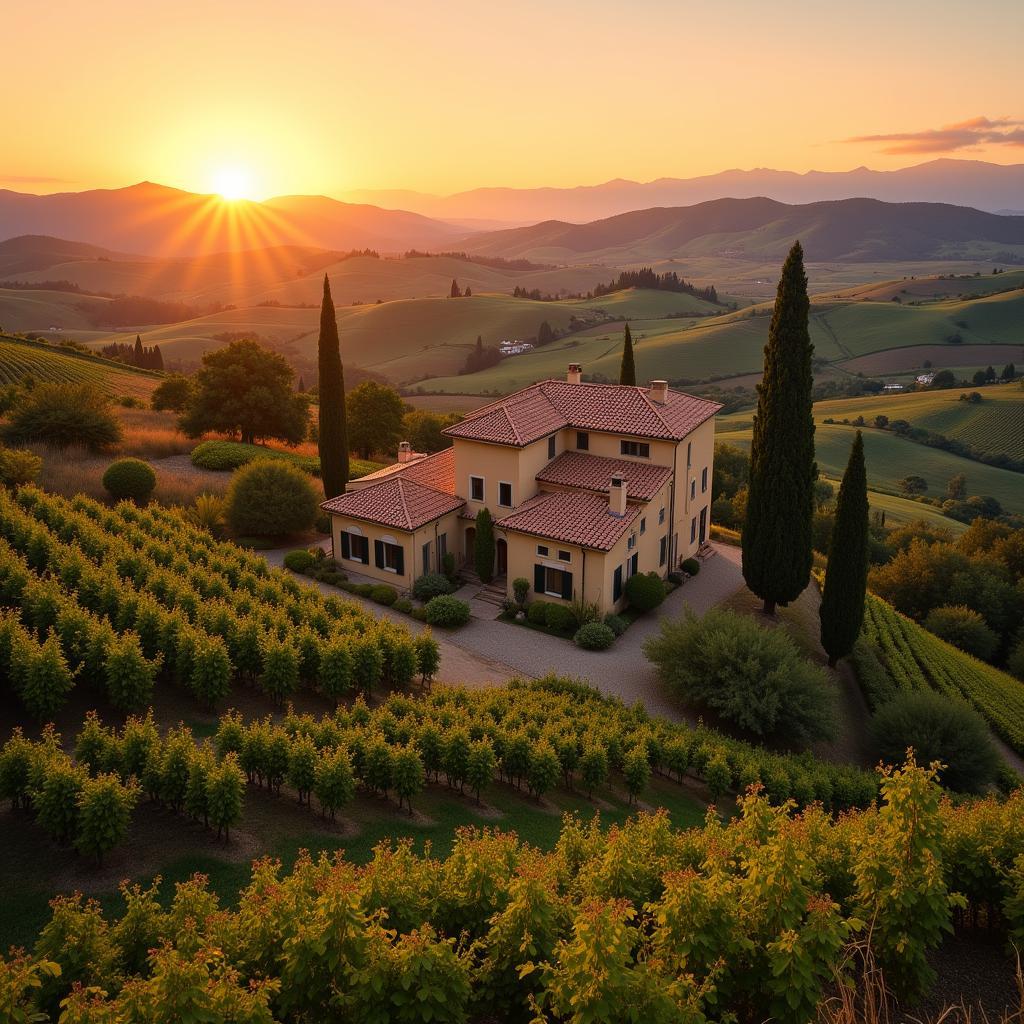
(501, 550)
(703, 524)
(470, 543)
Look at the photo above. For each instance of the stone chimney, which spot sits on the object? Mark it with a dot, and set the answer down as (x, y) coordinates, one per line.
(575, 374)
(617, 496)
(405, 452)
(659, 391)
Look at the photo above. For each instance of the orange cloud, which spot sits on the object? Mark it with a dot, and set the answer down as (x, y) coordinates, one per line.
(969, 134)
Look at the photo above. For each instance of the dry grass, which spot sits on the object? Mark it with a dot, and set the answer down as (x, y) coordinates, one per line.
(152, 435)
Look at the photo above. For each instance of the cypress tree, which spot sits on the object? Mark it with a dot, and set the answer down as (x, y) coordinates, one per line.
(780, 503)
(333, 441)
(158, 358)
(627, 372)
(846, 578)
(483, 546)
(139, 355)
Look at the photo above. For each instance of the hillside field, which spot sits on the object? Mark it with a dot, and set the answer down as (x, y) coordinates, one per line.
(20, 359)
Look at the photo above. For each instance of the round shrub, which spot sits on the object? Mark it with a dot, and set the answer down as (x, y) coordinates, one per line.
(520, 589)
(130, 478)
(384, 594)
(560, 618)
(941, 729)
(645, 591)
(594, 636)
(299, 561)
(691, 566)
(64, 415)
(431, 584)
(964, 628)
(749, 675)
(403, 604)
(616, 623)
(270, 498)
(363, 589)
(537, 613)
(446, 611)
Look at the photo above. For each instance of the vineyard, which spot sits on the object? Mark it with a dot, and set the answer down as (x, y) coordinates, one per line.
(20, 359)
(914, 659)
(745, 919)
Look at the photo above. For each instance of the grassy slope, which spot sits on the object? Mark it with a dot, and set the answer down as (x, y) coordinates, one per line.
(20, 359)
(890, 458)
(26, 310)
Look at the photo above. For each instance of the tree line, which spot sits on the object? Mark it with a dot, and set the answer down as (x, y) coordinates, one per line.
(142, 356)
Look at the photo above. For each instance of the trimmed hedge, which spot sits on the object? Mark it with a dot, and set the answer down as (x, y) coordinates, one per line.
(383, 593)
(594, 636)
(299, 560)
(446, 611)
(560, 618)
(431, 584)
(130, 479)
(691, 566)
(645, 591)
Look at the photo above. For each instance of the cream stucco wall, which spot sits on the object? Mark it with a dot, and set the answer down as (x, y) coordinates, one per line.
(411, 544)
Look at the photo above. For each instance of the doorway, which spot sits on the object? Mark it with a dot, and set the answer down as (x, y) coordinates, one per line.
(501, 553)
(703, 524)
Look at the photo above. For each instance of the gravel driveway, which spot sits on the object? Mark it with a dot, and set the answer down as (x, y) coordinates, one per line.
(487, 651)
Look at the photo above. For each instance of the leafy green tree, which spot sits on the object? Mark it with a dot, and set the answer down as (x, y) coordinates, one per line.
(48, 680)
(334, 784)
(173, 394)
(335, 676)
(456, 757)
(302, 760)
(56, 799)
(225, 795)
(374, 413)
(407, 774)
(422, 429)
(279, 675)
(545, 335)
(428, 656)
(956, 488)
(544, 769)
(378, 765)
(246, 389)
(210, 680)
(593, 768)
(367, 662)
(913, 484)
(483, 545)
(128, 674)
(332, 438)
(627, 369)
(964, 628)
(636, 770)
(846, 576)
(480, 765)
(454, 292)
(196, 798)
(780, 504)
(104, 811)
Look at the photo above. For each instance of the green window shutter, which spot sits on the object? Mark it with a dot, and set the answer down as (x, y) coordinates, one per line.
(378, 554)
(400, 561)
(566, 585)
(346, 546)
(617, 585)
(538, 578)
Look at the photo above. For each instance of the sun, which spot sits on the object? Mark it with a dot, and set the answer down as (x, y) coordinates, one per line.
(233, 183)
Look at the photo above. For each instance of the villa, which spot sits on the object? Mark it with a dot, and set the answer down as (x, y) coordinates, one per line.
(587, 484)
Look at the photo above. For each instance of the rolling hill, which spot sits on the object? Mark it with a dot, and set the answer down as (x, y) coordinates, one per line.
(986, 186)
(20, 359)
(157, 220)
(846, 230)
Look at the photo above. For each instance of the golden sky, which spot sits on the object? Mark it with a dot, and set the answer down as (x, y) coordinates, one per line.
(266, 98)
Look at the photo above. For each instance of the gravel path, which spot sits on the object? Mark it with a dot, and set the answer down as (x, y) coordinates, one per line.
(488, 651)
(181, 466)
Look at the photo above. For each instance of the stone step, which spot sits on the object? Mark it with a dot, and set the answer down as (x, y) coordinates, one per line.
(706, 551)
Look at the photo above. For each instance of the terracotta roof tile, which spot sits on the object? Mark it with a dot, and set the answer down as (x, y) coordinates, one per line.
(543, 408)
(594, 473)
(572, 517)
(397, 501)
(437, 471)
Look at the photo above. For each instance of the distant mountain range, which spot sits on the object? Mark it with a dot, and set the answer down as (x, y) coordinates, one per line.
(161, 221)
(844, 230)
(975, 183)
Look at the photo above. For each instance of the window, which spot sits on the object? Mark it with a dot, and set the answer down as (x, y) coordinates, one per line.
(693, 489)
(663, 551)
(633, 564)
(389, 557)
(505, 494)
(643, 525)
(426, 557)
(617, 583)
(355, 548)
(661, 515)
(631, 543)
(693, 529)
(542, 550)
(442, 549)
(638, 449)
(551, 446)
(689, 452)
(564, 556)
(704, 479)
(552, 582)
(582, 440)
(476, 488)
